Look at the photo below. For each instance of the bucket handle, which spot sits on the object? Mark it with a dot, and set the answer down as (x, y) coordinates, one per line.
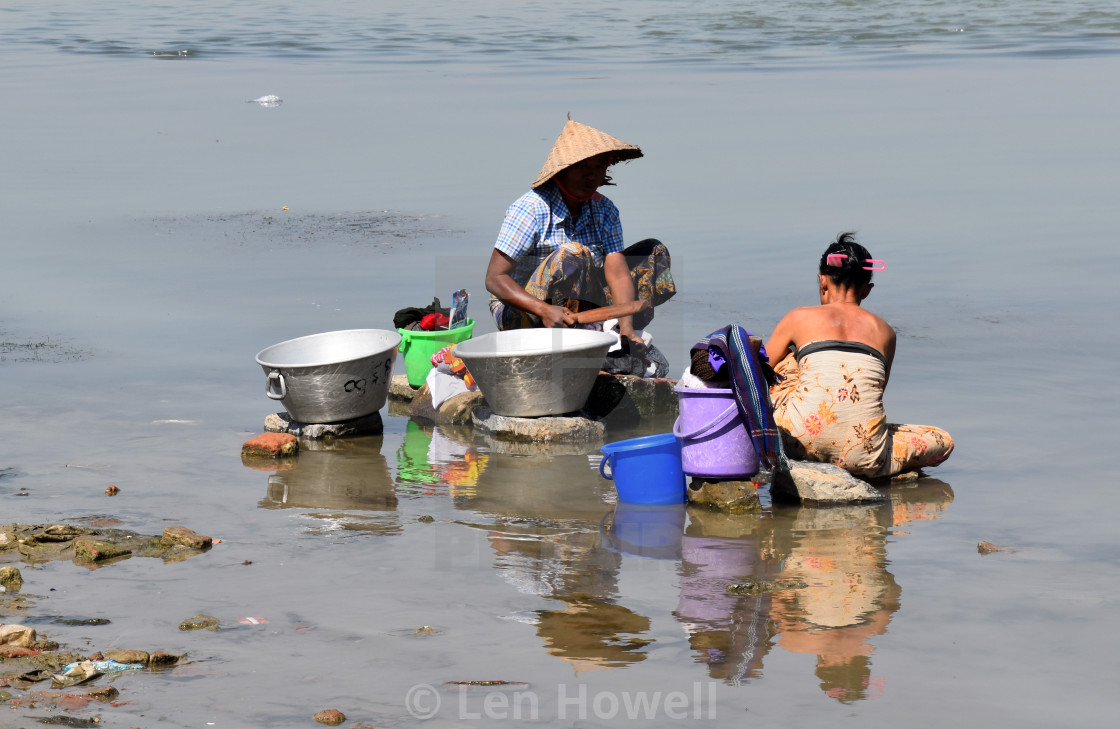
(720, 420)
(279, 378)
(602, 466)
(405, 339)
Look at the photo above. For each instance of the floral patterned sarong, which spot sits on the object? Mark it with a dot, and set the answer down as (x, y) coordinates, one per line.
(569, 277)
(829, 407)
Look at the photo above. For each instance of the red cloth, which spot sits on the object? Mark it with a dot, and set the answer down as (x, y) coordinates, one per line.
(431, 322)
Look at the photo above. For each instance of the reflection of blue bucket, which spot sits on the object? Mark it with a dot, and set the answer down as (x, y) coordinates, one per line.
(645, 470)
(645, 531)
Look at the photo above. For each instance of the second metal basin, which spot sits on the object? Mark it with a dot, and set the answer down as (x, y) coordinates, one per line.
(533, 372)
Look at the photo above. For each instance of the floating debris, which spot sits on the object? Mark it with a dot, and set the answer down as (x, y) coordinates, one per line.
(106, 666)
(270, 100)
(424, 631)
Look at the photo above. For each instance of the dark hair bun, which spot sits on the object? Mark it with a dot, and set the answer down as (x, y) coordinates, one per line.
(850, 271)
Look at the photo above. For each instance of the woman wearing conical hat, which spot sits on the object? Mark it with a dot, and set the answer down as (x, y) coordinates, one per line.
(560, 250)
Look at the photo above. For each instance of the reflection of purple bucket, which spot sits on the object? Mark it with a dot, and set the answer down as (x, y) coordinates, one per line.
(713, 436)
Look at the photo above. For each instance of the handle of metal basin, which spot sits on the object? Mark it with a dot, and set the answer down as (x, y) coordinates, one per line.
(721, 420)
(279, 378)
(602, 466)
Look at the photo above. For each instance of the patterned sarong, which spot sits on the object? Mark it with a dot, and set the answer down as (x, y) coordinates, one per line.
(829, 407)
(751, 392)
(569, 277)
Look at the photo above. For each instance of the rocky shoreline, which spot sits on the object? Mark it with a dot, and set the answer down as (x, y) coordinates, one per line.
(40, 678)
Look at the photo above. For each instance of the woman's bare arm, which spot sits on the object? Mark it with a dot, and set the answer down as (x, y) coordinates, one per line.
(500, 283)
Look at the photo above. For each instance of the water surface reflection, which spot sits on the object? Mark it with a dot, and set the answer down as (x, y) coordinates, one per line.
(839, 553)
(561, 539)
(340, 477)
(437, 459)
(553, 533)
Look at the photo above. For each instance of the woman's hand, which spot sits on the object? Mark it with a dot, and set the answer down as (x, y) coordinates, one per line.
(556, 316)
(501, 284)
(637, 344)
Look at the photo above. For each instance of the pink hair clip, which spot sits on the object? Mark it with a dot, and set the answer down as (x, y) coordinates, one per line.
(837, 259)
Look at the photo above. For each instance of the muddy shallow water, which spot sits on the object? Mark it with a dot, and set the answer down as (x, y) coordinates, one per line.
(388, 566)
(146, 256)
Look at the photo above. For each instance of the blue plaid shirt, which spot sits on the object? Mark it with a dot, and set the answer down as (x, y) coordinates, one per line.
(538, 224)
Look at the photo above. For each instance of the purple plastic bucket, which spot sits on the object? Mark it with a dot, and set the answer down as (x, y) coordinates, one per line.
(714, 439)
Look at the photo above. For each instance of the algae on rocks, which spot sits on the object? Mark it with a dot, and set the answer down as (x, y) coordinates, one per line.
(755, 587)
(93, 547)
(10, 578)
(733, 497)
(200, 622)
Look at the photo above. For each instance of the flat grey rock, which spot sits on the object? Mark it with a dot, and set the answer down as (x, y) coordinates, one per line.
(822, 483)
(365, 425)
(547, 429)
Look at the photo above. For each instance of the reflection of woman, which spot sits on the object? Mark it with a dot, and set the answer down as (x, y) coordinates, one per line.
(829, 406)
(560, 248)
(840, 553)
(850, 597)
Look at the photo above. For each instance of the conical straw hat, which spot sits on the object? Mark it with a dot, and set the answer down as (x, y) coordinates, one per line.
(578, 142)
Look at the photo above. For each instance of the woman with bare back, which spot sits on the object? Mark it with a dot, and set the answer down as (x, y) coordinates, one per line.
(835, 360)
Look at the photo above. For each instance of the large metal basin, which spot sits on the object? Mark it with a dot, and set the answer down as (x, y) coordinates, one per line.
(331, 377)
(532, 372)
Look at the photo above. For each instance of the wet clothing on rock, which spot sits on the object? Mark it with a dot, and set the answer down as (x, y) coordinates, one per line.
(829, 407)
(561, 261)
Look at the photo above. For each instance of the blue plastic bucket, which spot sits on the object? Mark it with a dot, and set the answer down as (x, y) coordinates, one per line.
(645, 470)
